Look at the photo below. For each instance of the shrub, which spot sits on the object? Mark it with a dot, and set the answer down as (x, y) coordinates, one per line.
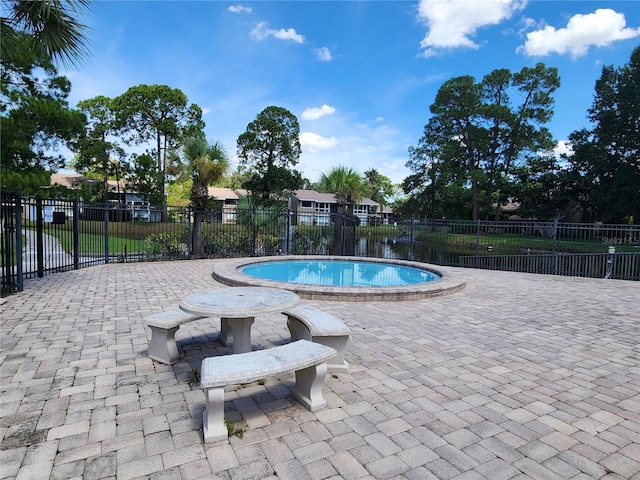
(167, 244)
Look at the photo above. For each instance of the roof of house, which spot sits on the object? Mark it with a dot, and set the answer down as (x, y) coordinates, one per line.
(220, 193)
(314, 196)
(387, 209)
(72, 180)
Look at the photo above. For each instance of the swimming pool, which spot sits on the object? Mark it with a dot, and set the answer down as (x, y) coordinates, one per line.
(339, 273)
(444, 282)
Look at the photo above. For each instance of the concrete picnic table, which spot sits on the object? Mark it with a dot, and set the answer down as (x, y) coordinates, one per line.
(237, 308)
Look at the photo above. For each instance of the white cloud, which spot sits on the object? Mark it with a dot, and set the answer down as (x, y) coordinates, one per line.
(206, 110)
(239, 9)
(323, 54)
(314, 142)
(563, 147)
(314, 113)
(452, 22)
(597, 29)
(358, 146)
(260, 32)
(379, 119)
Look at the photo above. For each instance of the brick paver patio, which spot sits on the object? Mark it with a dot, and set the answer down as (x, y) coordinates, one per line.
(516, 377)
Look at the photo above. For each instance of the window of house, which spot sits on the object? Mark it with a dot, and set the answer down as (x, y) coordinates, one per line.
(322, 207)
(360, 209)
(323, 220)
(230, 201)
(306, 204)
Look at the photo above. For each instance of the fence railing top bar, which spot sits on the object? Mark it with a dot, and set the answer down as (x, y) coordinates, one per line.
(511, 223)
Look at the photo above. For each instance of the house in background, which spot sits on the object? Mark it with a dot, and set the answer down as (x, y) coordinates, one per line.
(310, 207)
(117, 196)
(228, 199)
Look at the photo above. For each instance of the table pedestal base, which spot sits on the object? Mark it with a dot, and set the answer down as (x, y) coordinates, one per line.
(236, 332)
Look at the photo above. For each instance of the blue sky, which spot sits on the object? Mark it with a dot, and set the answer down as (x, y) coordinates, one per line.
(358, 75)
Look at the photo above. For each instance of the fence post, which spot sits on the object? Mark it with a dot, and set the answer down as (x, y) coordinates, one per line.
(106, 233)
(190, 214)
(477, 258)
(411, 240)
(39, 238)
(555, 245)
(343, 241)
(610, 262)
(288, 242)
(76, 234)
(18, 239)
(254, 228)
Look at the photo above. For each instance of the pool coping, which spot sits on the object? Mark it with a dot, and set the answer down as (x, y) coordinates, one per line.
(226, 272)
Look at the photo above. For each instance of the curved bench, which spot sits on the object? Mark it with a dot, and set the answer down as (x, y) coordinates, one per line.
(310, 323)
(308, 360)
(164, 325)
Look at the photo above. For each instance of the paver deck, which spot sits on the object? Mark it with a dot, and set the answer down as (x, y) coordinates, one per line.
(518, 376)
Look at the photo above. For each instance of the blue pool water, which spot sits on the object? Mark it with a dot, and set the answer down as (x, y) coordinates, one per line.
(339, 273)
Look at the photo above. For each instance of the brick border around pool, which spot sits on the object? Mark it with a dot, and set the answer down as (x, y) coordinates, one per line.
(227, 272)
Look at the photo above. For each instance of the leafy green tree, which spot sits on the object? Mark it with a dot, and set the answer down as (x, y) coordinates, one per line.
(455, 132)
(98, 150)
(515, 128)
(157, 114)
(606, 157)
(204, 163)
(543, 188)
(477, 134)
(144, 178)
(234, 180)
(268, 151)
(50, 29)
(380, 187)
(35, 116)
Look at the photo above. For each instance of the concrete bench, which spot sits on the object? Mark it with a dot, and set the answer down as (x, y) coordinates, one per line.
(164, 325)
(308, 360)
(309, 323)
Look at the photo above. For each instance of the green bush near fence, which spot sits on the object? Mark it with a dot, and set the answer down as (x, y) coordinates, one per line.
(224, 244)
(166, 244)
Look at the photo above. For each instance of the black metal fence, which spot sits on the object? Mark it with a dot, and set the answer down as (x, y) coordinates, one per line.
(42, 236)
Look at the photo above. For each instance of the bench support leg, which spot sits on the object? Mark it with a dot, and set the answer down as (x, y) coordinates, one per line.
(336, 364)
(162, 347)
(213, 425)
(298, 330)
(308, 387)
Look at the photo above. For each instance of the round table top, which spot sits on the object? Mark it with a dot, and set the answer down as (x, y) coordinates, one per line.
(238, 302)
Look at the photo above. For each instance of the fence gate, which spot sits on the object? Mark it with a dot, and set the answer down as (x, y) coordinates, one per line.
(11, 245)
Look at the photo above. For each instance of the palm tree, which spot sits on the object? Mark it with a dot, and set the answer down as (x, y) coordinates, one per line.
(346, 184)
(348, 187)
(380, 187)
(49, 26)
(204, 163)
